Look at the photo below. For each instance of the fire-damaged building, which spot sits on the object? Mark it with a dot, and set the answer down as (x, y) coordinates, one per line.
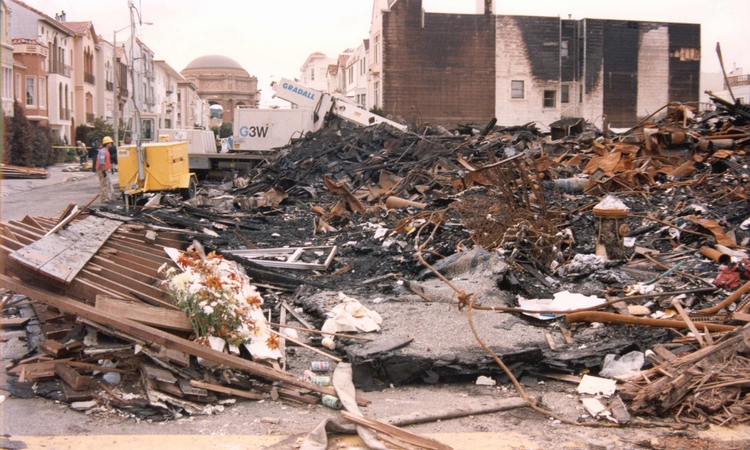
(445, 69)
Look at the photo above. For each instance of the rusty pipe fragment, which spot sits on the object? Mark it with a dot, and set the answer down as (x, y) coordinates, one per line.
(397, 202)
(727, 301)
(598, 316)
(715, 255)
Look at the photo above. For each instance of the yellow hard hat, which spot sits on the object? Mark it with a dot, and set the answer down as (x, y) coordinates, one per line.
(106, 140)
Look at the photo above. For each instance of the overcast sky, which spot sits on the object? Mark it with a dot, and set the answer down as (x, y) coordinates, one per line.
(272, 38)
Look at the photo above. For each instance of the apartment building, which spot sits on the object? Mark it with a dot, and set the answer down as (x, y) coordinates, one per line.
(461, 68)
(31, 25)
(6, 52)
(30, 57)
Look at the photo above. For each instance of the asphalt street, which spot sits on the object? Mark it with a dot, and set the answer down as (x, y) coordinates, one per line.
(49, 197)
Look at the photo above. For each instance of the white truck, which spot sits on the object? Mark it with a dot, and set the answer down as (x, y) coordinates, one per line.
(259, 132)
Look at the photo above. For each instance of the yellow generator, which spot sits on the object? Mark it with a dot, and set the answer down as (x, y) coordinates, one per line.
(165, 168)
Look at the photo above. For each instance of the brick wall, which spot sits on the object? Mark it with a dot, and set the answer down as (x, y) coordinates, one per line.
(438, 68)
(684, 62)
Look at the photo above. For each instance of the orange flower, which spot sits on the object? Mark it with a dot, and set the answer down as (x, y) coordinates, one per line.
(253, 300)
(213, 282)
(272, 342)
(213, 255)
(184, 260)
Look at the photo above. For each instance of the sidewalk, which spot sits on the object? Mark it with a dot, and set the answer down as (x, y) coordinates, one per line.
(50, 196)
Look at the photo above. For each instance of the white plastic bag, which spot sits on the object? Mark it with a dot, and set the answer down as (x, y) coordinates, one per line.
(626, 367)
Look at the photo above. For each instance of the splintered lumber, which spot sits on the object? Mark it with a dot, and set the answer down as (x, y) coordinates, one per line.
(707, 385)
(158, 374)
(36, 371)
(150, 334)
(146, 314)
(56, 349)
(452, 413)
(63, 254)
(9, 171)
(72, 395)
(395, 432)
(15, 322)
(74, 379)
(226, 390)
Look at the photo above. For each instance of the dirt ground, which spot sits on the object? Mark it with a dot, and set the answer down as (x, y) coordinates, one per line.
(518, 428)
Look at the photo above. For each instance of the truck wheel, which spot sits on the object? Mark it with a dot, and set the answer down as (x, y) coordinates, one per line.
(190, 191)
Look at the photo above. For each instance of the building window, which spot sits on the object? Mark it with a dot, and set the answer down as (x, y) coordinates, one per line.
(549, 99)
(312, 74)
(42, 92)
(565, 93)
(18, 87)
(564, 48)
(7, 83)
(516, 89)
(30, 91)
(376, 93)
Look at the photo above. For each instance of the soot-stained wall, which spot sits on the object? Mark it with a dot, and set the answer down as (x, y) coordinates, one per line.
(448, 69)
(438, 68)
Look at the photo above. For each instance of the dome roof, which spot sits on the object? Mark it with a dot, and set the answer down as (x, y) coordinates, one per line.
(213, 62)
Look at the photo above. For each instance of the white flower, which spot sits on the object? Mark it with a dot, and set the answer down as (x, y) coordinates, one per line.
(208, 310)
(180, 282)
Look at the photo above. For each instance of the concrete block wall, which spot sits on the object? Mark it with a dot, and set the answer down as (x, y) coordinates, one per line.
(653, 70)
(512, 52)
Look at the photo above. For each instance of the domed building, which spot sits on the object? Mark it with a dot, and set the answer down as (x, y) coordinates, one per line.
(220, 80)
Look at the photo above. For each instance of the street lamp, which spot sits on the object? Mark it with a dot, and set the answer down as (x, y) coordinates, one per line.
(116, 112)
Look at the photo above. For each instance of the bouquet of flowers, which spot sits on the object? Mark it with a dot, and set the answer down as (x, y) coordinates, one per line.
(219, 301)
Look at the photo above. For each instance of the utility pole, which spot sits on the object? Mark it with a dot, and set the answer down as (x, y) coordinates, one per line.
(136, 103)
(115, 70)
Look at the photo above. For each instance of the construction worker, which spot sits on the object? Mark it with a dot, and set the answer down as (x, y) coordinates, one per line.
(103, 165)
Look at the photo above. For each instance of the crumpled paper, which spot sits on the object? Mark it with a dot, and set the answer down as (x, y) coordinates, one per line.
(350, 315)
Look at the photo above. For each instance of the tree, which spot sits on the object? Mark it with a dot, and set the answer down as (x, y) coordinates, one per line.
(222, 131)
(42, 154)
(99, 129)
(18, 136)
(225, 130)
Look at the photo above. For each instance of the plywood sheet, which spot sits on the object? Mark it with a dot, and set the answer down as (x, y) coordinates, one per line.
(63, 254)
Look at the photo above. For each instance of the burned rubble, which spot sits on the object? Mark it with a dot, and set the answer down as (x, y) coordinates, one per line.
(562, 247)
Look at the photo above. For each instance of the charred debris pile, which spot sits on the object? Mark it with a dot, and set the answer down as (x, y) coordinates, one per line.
(596, 244)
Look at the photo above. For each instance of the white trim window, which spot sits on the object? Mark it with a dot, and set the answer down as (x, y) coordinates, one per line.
(42, 92)
(517, 89)
(30, 91)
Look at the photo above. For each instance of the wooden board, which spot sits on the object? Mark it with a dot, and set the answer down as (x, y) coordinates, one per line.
(146, 314)
(153, 335)
(77, 381)
(63, 254)
(16, 322)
